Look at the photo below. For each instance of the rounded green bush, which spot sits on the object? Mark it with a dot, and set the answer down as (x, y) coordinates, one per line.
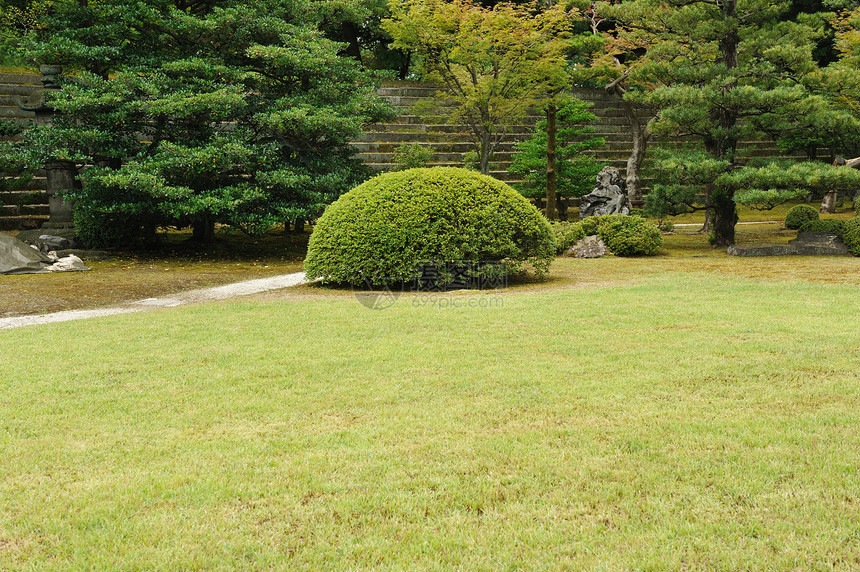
(630, 235)
(851, 235)
(392, 225)
(566, 234)
(799, 214)
(590, 225)
(624, 235)
(833, 225)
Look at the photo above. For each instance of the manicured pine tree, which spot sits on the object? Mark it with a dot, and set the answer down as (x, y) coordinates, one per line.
(203, 112)
(722, 71)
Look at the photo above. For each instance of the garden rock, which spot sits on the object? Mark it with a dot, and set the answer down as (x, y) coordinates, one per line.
(813, 243)
(49, 242)
(806, 244)
(588, 247)
(608, 197)
(17, 257)
(66, 264)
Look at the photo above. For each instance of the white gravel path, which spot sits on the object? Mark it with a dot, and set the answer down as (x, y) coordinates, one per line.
(189, 297)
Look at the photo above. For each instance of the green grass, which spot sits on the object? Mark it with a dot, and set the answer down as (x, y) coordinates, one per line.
(661, 421)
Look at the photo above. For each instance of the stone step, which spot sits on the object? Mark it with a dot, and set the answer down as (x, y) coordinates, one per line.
(22, 222)
(23, 210)
(457, 146)
(437, 158)
(34, 184)
(414, 91)
(20, 78)
(419, 127)
(23, 196)
(18, 89)
(9, 112)
(8, 100)
(455, 134)
(412, 119)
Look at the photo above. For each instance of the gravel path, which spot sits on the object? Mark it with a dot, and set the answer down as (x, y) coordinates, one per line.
(189, 297)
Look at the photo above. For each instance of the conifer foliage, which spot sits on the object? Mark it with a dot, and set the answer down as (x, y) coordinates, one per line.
(203, 112)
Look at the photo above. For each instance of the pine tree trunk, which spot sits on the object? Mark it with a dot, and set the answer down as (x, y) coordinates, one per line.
(725, 213)
(828, 203)
(639, 137)
(725, 219)
(203, 229)
(551, 173)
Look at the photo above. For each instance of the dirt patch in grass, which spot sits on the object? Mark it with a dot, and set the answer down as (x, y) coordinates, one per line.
(175, 266)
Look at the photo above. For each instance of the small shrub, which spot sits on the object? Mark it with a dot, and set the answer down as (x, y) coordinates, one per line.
(566, 234)
(589, 225)
(386, 230)
(630, 235)
(472, 161)
(95, 229)
(411, 156)
(666, 225)
(833, 225)
(851, 235)
(624, 235)
(799, 214)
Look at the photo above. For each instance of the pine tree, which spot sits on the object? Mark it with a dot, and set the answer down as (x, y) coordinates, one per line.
(575, 170)
(203, 112)
(722, 71)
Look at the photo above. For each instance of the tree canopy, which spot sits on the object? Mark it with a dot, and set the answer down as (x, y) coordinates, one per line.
(492, 62)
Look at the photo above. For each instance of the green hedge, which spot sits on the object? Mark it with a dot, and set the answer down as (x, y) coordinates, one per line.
(851, 235)
(624, 235)
(385, 229)
(630, 235)
(95, 229)
(833, 225)
(800, 214)
(566, 234)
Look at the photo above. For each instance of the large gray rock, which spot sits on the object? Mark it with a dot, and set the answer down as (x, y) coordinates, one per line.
(608, 197)
(762, 249)
(806, 244)
(17, 257)
(814, 243)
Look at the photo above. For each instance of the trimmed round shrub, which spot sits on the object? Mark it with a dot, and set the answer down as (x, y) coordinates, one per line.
(851, 235)
(566, 234)
(833, 225)
(630, 235)
(799, 214)
(391, 228)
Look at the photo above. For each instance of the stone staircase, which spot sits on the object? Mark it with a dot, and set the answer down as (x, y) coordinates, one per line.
(24, 204)
(451, 143)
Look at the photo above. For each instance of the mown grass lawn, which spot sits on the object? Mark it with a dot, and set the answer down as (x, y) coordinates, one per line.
(682, 419)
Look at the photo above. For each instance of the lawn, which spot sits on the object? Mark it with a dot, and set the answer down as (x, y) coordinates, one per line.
(688, 411)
